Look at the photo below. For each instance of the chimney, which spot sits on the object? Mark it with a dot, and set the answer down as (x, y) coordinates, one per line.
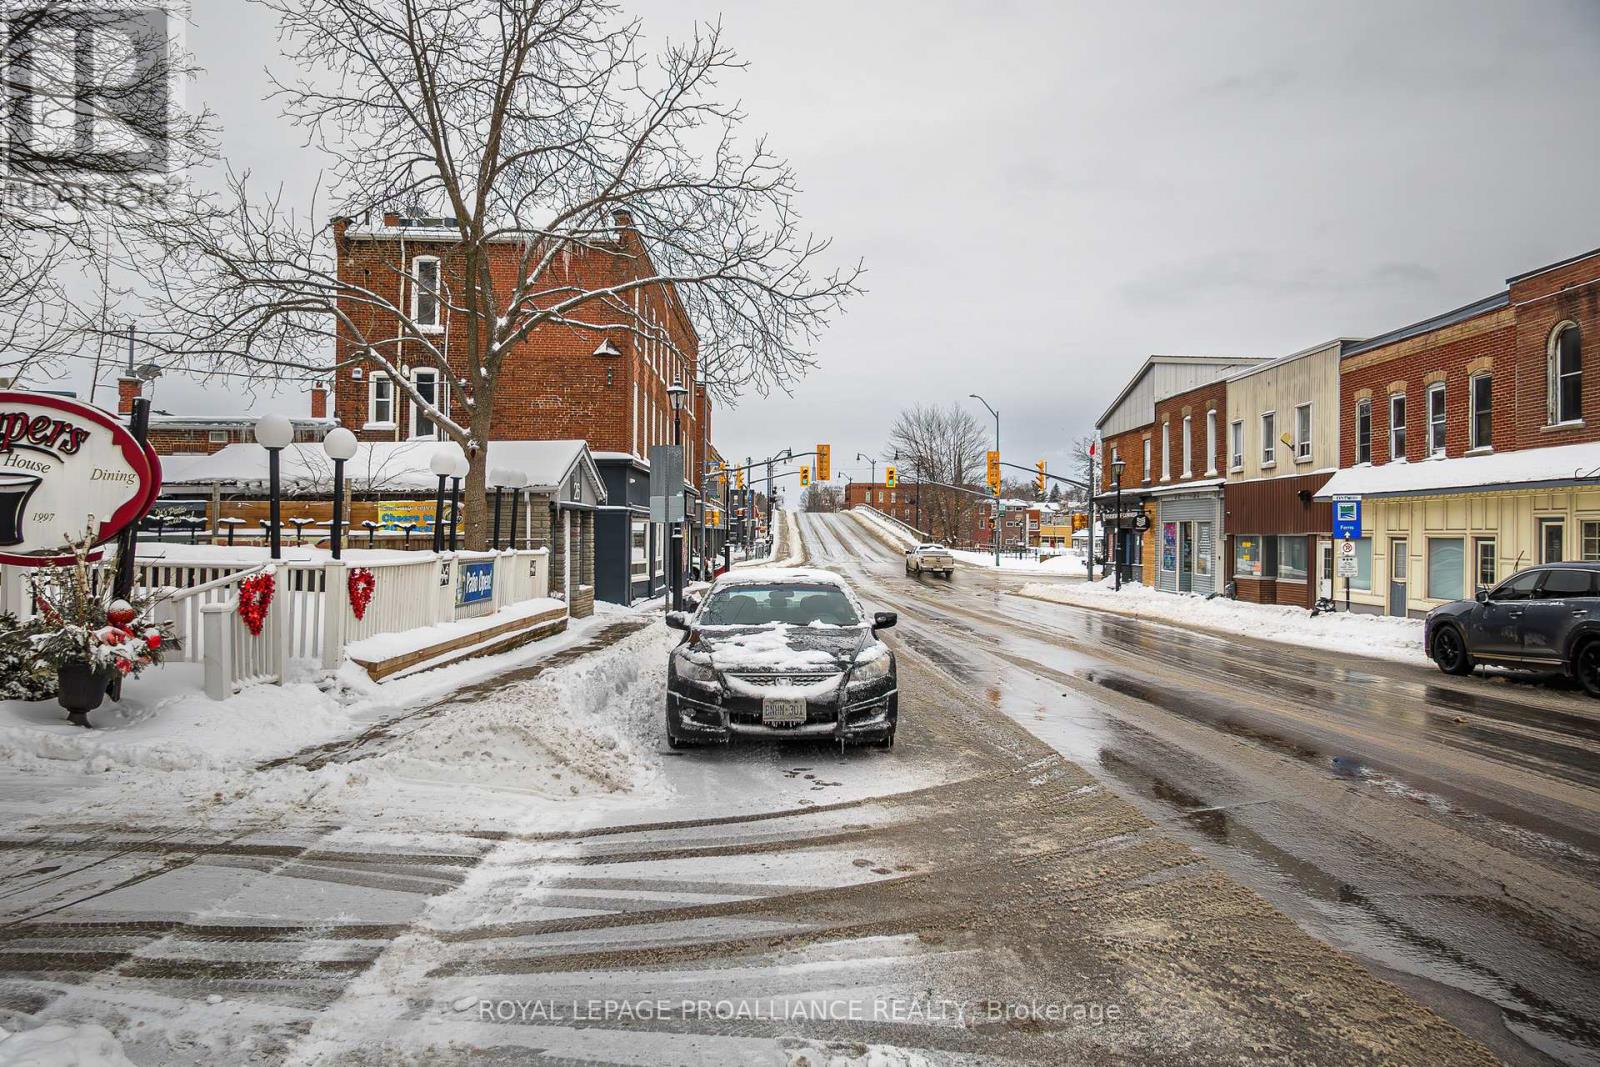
(128, 389)
(319, 401)
(391, 218)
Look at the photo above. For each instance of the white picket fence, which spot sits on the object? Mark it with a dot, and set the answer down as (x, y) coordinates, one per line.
(310, 616)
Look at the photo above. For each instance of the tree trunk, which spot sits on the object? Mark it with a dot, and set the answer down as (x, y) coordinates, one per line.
(476, 503)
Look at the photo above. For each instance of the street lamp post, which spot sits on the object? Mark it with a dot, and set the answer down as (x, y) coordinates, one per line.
(340, 445)
(514, 481)
(999, 511)
(1116, 543)
(676, 393)
(274, 433)
(873, 460)
(498, 477)
(460, 472)
(442, 464)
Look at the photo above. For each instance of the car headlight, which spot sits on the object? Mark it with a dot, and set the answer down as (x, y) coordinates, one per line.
(872, 666)
(694, 671)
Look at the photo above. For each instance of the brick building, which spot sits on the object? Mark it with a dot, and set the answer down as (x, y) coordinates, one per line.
(607, 385)
(197, 435)
(1164, 429)
(1472, 439)
(1282, 446)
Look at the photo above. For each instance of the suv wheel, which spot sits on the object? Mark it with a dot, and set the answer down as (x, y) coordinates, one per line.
(1450, 651)
(1586, 666)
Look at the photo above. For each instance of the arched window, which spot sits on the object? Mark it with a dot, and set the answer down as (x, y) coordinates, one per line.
(1566, 374)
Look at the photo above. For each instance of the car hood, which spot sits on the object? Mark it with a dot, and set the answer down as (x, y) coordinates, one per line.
(780, 649)
(1452, 610)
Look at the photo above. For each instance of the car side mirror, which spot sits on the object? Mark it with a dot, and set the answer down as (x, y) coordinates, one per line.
(677, 620)
(882, 620)
(1481, 596)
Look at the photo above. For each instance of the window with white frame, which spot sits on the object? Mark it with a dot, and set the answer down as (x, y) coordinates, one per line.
(1363, 431)
(431, 389)
(1566, 374)
(1166, 451)
(1147, 470)
(1236, 445)
(380, 400)
(1211, 441)
(425, 292)
(1269, 438)
(1302, 434)
(1482, 390)
(1397, 426)
(1188, 446)
(1436, 421)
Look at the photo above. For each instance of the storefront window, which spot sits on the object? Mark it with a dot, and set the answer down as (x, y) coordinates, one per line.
(640, 552)
(1363, 578)
(1292, 558)
(1203, 548)
(1446, 566)
(1591, 542)
(1247, 556)
(1485, 553)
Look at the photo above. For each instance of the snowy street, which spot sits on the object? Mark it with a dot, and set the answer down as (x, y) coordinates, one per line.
(1089, 843)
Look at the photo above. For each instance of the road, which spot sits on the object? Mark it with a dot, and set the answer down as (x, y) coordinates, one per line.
(1443, 831)
(1095, 841)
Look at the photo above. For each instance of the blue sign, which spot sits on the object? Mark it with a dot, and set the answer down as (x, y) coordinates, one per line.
(1347, 518)
(475, 582)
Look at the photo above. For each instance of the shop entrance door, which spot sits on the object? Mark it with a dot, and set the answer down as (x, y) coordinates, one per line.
(1397, 577)
(1325, 571)
(1185, 557)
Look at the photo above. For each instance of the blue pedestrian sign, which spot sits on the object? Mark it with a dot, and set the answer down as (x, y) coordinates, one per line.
(1347, 518)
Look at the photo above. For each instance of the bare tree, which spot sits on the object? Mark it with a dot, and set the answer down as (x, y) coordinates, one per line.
(92, 132)
(940, 447)
(542, 125)
(822, 498)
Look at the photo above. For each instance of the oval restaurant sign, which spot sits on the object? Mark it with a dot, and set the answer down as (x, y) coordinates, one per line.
(66, 470)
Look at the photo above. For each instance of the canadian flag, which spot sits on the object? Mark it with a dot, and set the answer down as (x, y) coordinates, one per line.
(1091, 449)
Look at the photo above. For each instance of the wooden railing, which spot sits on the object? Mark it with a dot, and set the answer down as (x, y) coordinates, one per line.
(310, 617)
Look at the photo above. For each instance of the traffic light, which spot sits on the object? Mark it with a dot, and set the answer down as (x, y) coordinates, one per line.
(716, 519)
(738, 478)
(994, 472)
(891, 477)
(824, 463)
(805, 475)
(1038, 482)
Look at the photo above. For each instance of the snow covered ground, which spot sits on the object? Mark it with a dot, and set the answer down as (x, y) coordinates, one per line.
(787, 543)
(1066, 563)
(1370, 635)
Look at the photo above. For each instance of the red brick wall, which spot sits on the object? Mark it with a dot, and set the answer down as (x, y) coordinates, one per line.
(552, 385)
(1169, 419)
(1130, 446)
(1457, 353)
(1566, 294)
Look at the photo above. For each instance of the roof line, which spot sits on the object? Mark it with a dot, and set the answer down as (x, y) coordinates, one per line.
(1337, 342)
(1525, 275)
(1448, 318)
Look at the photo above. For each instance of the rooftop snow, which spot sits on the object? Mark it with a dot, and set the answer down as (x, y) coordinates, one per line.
(1563, 464)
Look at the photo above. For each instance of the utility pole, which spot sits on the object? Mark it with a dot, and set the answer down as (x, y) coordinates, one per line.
(1089, 481)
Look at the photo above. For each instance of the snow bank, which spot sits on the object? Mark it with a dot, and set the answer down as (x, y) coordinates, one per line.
(57, 1045)
(386, 646)
(1371, 635)
(1064, 563)
(895, 534)
(790, 541)
(806, 1053)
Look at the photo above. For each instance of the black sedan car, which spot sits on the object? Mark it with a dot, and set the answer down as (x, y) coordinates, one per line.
(1543, 618)
(781, 654)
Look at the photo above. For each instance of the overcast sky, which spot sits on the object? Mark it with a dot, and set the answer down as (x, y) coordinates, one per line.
(1046, 192)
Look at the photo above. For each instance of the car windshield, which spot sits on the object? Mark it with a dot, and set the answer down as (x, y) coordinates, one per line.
(792, 604)
(930, 548)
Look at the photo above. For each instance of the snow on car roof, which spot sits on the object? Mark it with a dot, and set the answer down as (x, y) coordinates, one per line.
(781, 576)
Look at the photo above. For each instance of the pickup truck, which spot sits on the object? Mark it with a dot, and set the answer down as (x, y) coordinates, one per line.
(930, 557)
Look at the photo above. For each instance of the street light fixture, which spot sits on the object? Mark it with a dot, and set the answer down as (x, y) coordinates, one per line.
(873, 460)
(1116, 544)
(515, 481)
(999, 512)
(340, 445)
(274, 433)
(442, 463)
(677, 393)
(461, 470)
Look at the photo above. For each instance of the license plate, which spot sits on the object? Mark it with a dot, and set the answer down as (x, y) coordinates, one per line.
(783, 711)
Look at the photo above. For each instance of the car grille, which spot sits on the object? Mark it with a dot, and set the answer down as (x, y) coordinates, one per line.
(773, 678)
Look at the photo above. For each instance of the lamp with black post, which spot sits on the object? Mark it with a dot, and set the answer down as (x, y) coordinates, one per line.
(498, 478)
(516, 481)
(458, 473)
(1116, 535)
(676, 393)
(442, 463)
(274, 433)
(340, 445)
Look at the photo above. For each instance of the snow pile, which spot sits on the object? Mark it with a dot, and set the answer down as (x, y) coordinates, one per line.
(886, 529)
(1372, 635)
(806, 1053)
(1063, 563)
(386, 646)
(787, 539)
(587, 729)
(767, 649)
(57, 1045)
